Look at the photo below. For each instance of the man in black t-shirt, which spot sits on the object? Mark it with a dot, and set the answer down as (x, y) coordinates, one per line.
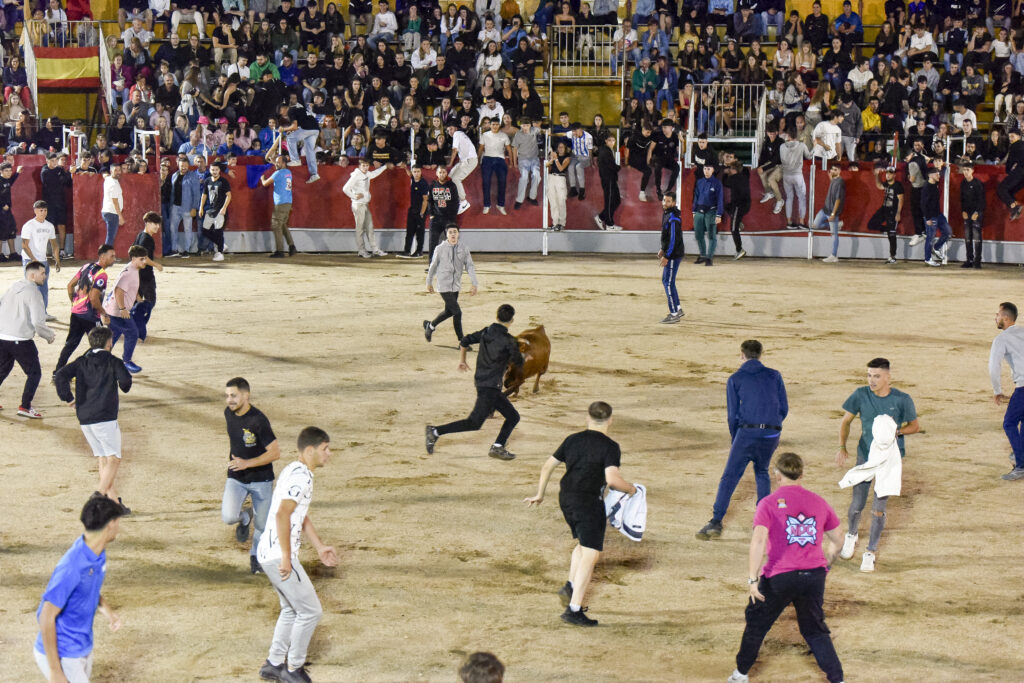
(419, 202)
(664, 154)
(443, 202)
(887, 218)
(591, 460)
(302, 129)
(640, 145)
(250, 470)
(146, 300)
(213, 209)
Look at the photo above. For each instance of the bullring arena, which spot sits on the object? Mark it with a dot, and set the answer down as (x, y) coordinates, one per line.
(440, 557)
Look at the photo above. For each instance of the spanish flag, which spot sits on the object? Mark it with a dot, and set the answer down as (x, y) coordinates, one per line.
(67, 67)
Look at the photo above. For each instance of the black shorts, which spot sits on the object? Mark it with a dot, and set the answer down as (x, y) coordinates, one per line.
(56, 214)
(8, 229)
(587, 522)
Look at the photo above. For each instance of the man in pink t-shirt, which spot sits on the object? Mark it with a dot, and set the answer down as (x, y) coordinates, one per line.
(793, 524)
(118, 302)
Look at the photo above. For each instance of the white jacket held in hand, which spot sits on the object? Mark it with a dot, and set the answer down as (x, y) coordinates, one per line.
(884, 463)
(627, 513)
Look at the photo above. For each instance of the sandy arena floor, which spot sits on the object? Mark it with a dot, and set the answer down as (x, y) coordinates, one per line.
(440, 557)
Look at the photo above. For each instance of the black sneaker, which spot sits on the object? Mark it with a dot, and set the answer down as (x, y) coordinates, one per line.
(242, 530)
(297, 676)
(431, 439)
(292, 251)
(501, 453)
(967, 264)
(565, 594)
(977, 265)
(1016, 211)
(124, 508)
(428, 331)
(582, 195)
(708, 262)
(535, 202)
(577, 618)
(572, 192)
(699, 260)
(277, 254)
(254, 565)
(712, 529)
(517, 205)
(269, 672)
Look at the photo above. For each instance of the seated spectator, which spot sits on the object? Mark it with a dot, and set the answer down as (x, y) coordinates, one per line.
(921, 45)
(16, 82)
(644, 81)
(848, 26)
(744, 27)
(359, 12)
(385, 26)
(816, 27)
(285, 41)
(313, 28)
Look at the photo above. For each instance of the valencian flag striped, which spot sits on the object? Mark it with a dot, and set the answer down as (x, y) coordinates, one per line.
(67, 67)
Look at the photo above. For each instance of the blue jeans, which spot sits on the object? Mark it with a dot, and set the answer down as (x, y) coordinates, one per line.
(749, 445)
(44, 288)
(308, 138)
(498, 167)
(182, 215)
(931, 226)
(141, 313)
(126, 327)
(1012, 425)
(170, 236)
(820, 219)
(667, 96)
(668, 280)
(112, 224)
(261, 492)
(624, 58)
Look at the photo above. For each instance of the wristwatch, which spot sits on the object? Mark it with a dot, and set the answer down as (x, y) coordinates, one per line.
(751, 582)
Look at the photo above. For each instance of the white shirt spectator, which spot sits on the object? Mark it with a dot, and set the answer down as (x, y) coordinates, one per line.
(421, 61)
(629, 40)
(160, 6)
(859, 78)
(464, 146)
(142, 34)
(486, 36)
(38, 235)
(294, 483)
(491, 110)
(359, 184)
(488, 63)
(968, 115)
(111, 191)
(385, 22)
(494, 144)
(922, 42)
(236, 68)
(485, 7)
(830, 135)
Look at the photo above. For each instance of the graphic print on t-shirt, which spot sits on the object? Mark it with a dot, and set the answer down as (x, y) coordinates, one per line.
(801, 530)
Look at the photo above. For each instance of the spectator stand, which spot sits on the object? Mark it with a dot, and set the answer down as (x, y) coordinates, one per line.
(583, 55)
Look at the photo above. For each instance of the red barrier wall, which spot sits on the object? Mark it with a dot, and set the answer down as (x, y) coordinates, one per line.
(141, 194)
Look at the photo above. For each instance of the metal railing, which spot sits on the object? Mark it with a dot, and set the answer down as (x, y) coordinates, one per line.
(727, 113)
(581, 52)
(72, 34)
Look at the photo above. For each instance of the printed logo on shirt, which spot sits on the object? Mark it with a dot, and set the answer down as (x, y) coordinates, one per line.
(248, 437)
(801, 530)
(294, 491)
(782, 503)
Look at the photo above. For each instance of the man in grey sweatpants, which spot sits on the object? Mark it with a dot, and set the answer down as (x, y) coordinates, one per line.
(450, 258)
(792, 153)
(278, 554)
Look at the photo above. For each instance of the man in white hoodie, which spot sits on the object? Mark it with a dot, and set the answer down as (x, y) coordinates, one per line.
(358, 190)
(448, 261)
(1009, 345)
(21, 318)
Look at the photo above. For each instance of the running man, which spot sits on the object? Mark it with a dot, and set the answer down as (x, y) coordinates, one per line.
(1009, 345)
(152, 224)
(36, 234)
(450, 258)
(792, 525)
(868, 402)
(591, 461)
(498, 348)
(279, 557)
(21, 318)
(98, 374)
(118, 303)
(671, 255)
(254, 449)
(63, 648)
(86, 294)
(757, 406)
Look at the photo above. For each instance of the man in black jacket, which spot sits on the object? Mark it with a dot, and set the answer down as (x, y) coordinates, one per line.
(671, 255)
(1014, 180)
(609, 172)
(98, 374)
(443, 205)
(972, 207)
(498, 348)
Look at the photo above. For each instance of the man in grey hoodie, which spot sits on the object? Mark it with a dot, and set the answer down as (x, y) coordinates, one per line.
(22, 316)
(448, 261)
(852, 127)
(792, 153)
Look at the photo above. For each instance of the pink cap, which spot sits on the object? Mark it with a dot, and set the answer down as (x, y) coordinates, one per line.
(222, 120)
(204, 120)
(242, 119)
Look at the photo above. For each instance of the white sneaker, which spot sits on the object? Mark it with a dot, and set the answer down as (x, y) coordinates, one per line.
(767, 197)
(313, 179)
(739, 254)
(379, 252)
(868, 563)
(600, 223)
(502, 211)
(945, 258)
(364, 254)
(933, 262)
(737, 677)
(295, 162)
(486, 210)
(217, 256)
(463, 206)
(915, 240)
(831, 259)
(841, 225)
(849, 545)
(614, 228)
(642, 196)
(778, 206)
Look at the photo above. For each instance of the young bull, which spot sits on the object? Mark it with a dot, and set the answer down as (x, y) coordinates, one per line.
(535, 343)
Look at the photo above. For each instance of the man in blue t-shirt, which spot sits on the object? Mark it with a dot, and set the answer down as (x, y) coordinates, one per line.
(877, 398)
(72, 596)
(282, 180)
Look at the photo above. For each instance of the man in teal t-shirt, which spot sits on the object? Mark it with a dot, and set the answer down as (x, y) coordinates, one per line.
(877, 398)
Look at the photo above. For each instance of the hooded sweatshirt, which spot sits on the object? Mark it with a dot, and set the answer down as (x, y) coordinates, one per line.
(755, 394)
(447, 265)
(22, 315)
(793, 153)
(97, 374)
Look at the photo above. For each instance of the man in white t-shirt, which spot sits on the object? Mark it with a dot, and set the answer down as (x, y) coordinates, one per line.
(626, 46)
(494, 145)
(961, 115)
(35, 235)
(463, 148)
(828, 137)
(113, 203)
(278, 554)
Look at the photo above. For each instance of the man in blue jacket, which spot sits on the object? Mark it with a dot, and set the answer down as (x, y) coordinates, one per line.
(757, 405)
(708, 207)
(671, 255)
(184, 203)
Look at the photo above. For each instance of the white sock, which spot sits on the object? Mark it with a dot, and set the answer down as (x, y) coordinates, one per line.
(434, 432)
(574, 608)
(432, 328)
(496, 445)
(273, 663)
